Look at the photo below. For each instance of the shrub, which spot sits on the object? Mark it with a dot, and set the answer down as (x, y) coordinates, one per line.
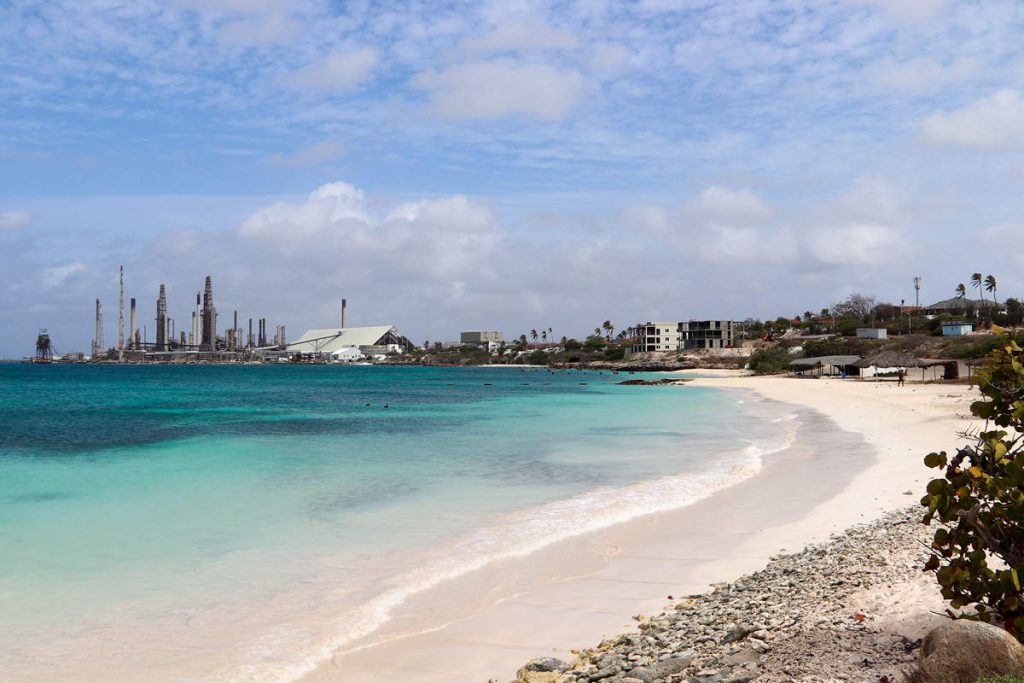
(615, 353)
(979, 501)
(839, 346)
(537, 357)
(769, 361)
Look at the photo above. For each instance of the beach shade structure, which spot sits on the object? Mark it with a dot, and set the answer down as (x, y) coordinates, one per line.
(889, 359)
(825, 365)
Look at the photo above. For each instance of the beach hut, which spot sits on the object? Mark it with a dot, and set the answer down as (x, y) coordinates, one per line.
(825, 365)
(887, 360)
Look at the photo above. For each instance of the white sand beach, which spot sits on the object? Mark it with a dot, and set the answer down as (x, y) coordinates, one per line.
(572, 594)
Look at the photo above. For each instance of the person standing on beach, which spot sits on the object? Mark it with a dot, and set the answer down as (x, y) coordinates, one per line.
(900, 377)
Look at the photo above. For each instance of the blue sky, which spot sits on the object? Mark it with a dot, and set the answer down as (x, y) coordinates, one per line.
(507, 165)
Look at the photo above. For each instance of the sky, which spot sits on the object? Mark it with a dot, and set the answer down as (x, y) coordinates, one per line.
(449, 166)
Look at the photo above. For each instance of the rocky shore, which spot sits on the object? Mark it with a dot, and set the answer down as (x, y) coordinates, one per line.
(822, 614)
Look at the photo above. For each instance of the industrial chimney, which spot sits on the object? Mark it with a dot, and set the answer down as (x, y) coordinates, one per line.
(209, 322)
(161, 320)
(131, 328)
(120, 320)
(344, 305)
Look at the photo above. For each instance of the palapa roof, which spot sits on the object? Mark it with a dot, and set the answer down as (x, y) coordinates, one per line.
(331, 339)
(889, 359)
(837, 361)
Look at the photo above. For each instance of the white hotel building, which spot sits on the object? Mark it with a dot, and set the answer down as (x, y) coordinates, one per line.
(693, 334)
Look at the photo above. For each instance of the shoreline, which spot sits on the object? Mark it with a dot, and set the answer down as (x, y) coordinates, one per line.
(588, 587)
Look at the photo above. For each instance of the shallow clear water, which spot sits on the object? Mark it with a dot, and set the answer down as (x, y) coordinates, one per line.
(131, 493)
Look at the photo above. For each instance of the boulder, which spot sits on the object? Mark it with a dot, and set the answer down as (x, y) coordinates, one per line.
(963, 651)
(662, 669)
(541, 670)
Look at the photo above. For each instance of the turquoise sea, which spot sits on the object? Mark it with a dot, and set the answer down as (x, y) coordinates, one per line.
(266, 515)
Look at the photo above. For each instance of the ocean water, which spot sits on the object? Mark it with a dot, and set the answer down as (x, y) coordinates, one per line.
(244, 522)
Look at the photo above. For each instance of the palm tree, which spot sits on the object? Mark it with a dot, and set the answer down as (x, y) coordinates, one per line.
(597, 331)
(976, 282)
(961, 294)
(551, 334)
(544, 336)
(609, 328)
(990, 286)
(533, 335)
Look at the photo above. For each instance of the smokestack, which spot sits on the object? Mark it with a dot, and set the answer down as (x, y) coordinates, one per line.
(234, 327)
(131, 327)
(161, 320)
(250, 333)
(344, 305)
(97, 341)
(120, 319)
(209, 322)
(196, 324)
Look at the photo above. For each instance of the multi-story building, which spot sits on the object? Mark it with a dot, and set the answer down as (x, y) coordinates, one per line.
(481, 337)
(693, 334)
(706, 334)
(658, 337)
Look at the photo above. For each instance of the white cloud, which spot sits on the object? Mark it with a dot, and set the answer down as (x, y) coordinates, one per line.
(428, 244)
(727, 205)
(58, 275)
(989, 123)
(921, 74)
(726, 243)
(908, 11)
(455, 214)
(14, 220)
(327, 207)
(871, 200)
(515, 34)
(500, 87)
(608, 59)
(270, 29)
(858, 244)
(318, 153)
(339, 71)
(651, 219)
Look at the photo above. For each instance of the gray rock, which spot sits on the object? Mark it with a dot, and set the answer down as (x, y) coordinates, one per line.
(741, 677)
(966, 650)
(662, 669)
(743, 656)
(545, 664)
(736, 633)
(604, 673)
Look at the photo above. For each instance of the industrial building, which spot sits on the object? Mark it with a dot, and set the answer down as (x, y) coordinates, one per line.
(341, 343)
(685, 336)
(203, 341)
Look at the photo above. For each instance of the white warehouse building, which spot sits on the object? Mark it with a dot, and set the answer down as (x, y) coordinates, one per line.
(338, 342)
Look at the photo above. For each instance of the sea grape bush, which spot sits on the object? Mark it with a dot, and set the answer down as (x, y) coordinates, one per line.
(979, 501)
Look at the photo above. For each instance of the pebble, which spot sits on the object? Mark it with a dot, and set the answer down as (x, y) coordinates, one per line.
(791, 621)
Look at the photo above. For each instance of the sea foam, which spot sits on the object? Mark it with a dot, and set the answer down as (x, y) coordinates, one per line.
(515, 535)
